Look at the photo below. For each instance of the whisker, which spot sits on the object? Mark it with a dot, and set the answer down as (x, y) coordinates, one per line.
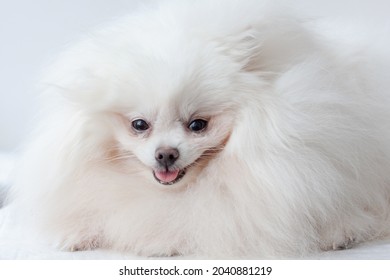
(118, 158)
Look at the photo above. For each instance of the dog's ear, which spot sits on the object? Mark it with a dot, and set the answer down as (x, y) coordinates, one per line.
(243, 48)
(270, 47)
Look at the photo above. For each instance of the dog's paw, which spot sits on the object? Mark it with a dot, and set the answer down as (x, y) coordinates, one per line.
(343, 244)
(346, 244)
(84, 245)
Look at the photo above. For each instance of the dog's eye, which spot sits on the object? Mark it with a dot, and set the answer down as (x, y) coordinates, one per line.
(197, 125)
(140, 125)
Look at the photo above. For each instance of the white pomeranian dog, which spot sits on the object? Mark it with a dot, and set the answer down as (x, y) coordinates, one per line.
(221, 129)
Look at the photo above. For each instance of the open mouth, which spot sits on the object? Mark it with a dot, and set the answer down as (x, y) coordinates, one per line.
(167, 177)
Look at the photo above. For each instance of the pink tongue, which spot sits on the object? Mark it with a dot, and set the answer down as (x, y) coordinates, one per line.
(168, 176)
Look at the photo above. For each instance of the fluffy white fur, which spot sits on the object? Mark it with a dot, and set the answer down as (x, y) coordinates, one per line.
(295, 157)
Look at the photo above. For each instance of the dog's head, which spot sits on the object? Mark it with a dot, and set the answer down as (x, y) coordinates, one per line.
(177, 98)
(181, 118)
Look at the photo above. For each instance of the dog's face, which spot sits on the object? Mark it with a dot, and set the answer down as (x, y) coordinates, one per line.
(175, 141)
(176, 128)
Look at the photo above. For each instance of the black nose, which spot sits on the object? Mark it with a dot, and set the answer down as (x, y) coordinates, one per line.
(166, 156)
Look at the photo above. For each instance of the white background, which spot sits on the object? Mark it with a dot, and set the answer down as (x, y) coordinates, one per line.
(32, 32)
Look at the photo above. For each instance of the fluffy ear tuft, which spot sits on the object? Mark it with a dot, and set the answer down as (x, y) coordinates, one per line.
(243, 48)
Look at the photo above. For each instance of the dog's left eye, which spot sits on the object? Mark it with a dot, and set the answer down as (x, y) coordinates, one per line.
(140, 125)
(197, 125)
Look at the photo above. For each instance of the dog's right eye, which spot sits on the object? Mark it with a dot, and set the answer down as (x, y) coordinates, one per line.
(140, 125)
